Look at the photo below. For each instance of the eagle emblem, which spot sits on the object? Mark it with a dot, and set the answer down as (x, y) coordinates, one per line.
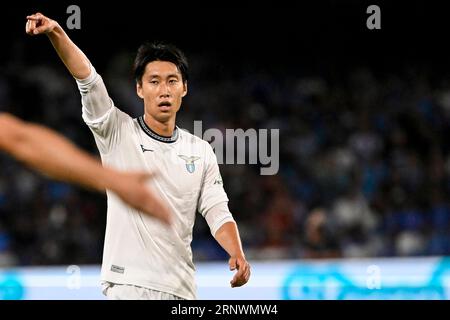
(190, 165)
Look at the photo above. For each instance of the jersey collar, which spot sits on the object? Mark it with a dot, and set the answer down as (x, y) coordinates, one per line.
(152, 134)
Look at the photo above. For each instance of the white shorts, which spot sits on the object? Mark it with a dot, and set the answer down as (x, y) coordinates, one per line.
(114, 291)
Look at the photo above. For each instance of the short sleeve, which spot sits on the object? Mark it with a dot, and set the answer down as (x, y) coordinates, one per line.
(212, 190)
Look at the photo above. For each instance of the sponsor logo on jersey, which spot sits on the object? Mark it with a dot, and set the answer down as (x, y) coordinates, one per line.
(117, 269)
(144, 149)
(218, 180)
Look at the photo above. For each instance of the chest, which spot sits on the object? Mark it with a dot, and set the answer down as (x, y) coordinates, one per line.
(179, 169)
(179, 166)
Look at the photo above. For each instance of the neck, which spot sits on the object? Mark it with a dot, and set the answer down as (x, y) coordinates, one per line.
(164, 129)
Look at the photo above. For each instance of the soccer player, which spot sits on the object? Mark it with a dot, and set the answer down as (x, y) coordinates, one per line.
(52, 154)
(143, 259)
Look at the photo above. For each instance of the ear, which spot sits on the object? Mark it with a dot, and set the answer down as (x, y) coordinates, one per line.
(139, 90)
(185, 89)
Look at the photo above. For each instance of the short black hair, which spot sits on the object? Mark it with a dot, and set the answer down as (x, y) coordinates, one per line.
(159, 51)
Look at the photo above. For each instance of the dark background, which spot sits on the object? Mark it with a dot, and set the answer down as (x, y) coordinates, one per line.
(320, 34)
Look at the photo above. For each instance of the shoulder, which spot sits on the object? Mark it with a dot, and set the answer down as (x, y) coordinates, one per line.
(196, 144)
(189, 138)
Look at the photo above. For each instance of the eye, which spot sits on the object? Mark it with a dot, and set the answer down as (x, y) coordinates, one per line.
(155, 82)
(173, 81)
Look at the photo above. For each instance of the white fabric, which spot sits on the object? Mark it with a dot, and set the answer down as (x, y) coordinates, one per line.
(217, 216)
(139, 250)
(129, 292)
(94, 96)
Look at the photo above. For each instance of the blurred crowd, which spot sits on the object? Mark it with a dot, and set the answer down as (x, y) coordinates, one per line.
(364, 166)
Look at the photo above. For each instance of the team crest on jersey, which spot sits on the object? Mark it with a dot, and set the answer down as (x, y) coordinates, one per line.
(190, 165)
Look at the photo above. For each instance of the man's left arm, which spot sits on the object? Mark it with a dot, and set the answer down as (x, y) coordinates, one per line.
(213, 205)
(228, 237)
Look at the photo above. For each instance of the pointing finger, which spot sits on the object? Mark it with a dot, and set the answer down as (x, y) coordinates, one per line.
(34, 18)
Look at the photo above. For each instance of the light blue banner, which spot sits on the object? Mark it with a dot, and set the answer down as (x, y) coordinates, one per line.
(397, 278)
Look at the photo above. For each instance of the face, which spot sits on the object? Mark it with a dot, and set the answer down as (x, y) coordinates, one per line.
(162, 90)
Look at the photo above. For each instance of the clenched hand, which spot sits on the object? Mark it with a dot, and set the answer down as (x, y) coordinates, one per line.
(243, 271)
(39, 24)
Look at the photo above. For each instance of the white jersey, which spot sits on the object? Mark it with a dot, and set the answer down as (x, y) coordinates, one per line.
(139, 250)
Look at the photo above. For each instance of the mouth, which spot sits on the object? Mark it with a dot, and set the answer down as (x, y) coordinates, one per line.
(164, 106)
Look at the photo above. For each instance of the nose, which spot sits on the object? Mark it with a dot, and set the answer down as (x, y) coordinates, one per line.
(164, 90)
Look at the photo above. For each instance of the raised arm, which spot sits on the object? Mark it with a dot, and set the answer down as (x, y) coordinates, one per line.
(75, 60)
(94, 96)
(52, 154)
